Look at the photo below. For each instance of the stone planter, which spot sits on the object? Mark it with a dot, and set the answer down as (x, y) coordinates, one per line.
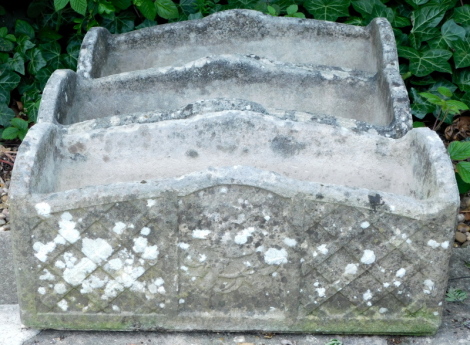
(238, 188)
(321, 71)
(291, 227)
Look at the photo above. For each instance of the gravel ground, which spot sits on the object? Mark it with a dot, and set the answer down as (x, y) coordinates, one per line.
(7, 159)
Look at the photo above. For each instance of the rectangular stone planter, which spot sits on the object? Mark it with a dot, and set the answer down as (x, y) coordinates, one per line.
(232, 221)
(291, 68)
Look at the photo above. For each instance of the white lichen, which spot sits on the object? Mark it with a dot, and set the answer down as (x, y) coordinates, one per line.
(75, 275)
(290, 242)
(429, 284)
(63, 305)
(350, 269)
(367, 295)
(145, 231)
(383, 310)
(119, 228)
(401, 273)
(42, 250)
(98, 250)
(60, 288)
(242, 236)
(47, 275)
(433, 244)
(275, 256)
(183, 245)
(368, 257)
(322, 249)
(365, 225)
(115, 264)
(321, 292)
(150, 203)
(43, 209)
(201, 234)
(67, 228)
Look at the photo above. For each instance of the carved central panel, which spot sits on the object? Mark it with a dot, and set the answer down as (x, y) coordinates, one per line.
(237, 252)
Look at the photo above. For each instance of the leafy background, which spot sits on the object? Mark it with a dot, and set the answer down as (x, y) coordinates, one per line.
(433, 38)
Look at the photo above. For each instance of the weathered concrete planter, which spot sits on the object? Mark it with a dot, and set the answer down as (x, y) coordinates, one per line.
(290, 227)
(331, 73)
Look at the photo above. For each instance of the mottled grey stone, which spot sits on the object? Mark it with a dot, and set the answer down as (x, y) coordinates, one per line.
(7, 275)
(264, 229)
(302, 69)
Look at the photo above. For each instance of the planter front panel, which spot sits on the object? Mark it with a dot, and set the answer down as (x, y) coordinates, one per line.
(232, 257)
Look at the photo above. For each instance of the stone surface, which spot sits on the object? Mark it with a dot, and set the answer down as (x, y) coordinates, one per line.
(7, 281)
(213, 232)
(290, 67)
(454, 329)
(11, 330)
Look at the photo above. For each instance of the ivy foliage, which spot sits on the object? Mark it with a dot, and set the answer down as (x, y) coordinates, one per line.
(433, 38)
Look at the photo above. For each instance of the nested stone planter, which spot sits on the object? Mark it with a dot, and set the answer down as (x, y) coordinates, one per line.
(232, 221)
(321, 71)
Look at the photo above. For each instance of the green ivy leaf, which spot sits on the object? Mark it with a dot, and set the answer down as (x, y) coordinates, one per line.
(418, 124)
(8, 81)
(364, 7)
(36, 61)
(425, 18)
(462, 15)
(79, 6)
(60, 4)
(380, 10)
(416, 3)
(6, 45)
(459, 150)
(194, 16)
(148, 9)
(452, 32)
(16, 63)
(3, 31)
(355, 21)
(443, 83)
(23, 45)
(461, 53)
(463, 168)
(121, 4)
(43, 75)
(438, 43)
(31, 106)
(445, 4)
(6, 114)
(106, 7)
(147, 23)
(189, 6)
(4, 57)
(462, 79)
(420, 107)
(10, 133)
(47, 34)
(22, 27)
(166, 9)
(51, 53)
(401, 22)
(327, 9)
(423, 63)
(124, 22)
